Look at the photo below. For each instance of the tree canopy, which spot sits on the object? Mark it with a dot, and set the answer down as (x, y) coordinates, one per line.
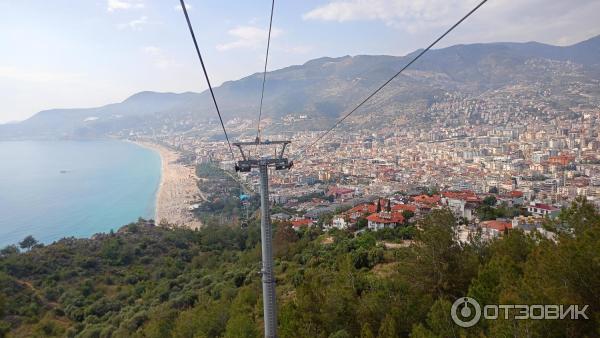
(145, 281)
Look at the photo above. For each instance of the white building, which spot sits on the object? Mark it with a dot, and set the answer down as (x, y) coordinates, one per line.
(339, 222)
(545, 210)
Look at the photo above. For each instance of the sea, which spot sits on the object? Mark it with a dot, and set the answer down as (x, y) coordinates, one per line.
(56, 189)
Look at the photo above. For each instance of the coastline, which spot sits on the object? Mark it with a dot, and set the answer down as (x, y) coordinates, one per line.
(177, 190)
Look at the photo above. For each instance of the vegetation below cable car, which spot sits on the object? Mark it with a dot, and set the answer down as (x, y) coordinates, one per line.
(222, 191)
(146, 281)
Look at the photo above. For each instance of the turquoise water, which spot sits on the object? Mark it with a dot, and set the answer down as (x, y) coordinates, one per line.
(106, 184)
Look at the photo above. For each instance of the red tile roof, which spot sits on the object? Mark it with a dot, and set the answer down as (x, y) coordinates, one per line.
(516, 193)
(402, 207)
(301, 222)
(466, 195)
(386, 217)
(563, 159)
(427, 199)
(545, 207)
(364, 208)
(498, 225)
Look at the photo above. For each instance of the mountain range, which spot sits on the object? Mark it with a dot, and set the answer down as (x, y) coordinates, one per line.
(325, 88)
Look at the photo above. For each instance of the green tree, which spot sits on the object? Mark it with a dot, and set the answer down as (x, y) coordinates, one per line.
(160, 324)
(566, 272)
(362, 223)
(433, 190)
(420, 331)
(283, 239)
(387, 329)
(157, 282)
(2, 304)
(28, 242)
(48, 328)
(490, 201)
(208, 318)
(407, 214)
(580, 216)
(366, 331)
(9, 250)
(241, 326)
(439, 319)
(340, 334)
(496, 276)
(440, 264)
(407, 232)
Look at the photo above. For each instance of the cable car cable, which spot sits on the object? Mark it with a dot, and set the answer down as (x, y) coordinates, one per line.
(303, 149)
(262, 95)
(187, 18)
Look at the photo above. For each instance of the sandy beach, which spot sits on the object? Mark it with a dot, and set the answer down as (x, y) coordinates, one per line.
(177, 191)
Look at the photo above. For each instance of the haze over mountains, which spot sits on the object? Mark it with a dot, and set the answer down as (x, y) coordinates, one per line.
(325, 88)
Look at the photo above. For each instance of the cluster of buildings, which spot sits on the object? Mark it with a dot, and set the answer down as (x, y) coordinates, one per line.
(359, 214)
(516, 144)
(550, 161)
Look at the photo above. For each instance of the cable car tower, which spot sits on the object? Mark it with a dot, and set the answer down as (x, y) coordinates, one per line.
(280, 163)
(263, 164)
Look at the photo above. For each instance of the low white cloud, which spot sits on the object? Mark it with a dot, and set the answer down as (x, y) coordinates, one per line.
(135, 24)
(248, 37)
(159, 58)
(39, 76)
(389, 11)
(152, 50)
(550, 21)
(297, 49)
(114, 5)
(179, 8)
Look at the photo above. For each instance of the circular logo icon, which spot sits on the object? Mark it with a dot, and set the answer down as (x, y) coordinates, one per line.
(463, 309)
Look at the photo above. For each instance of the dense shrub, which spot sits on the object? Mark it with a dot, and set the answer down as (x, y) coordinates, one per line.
(155, 282)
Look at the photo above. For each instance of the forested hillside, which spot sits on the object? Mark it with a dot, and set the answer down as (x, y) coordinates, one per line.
(146, 281)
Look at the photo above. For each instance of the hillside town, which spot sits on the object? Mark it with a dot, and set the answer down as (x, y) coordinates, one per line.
(515, 155)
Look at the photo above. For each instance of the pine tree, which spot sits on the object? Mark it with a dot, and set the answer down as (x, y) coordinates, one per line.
(387, 328)
(28, 242)
(366, 331)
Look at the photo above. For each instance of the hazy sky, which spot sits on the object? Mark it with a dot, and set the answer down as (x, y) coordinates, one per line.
(82, 53)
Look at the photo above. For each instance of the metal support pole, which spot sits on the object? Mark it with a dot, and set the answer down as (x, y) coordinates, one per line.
(268, 278)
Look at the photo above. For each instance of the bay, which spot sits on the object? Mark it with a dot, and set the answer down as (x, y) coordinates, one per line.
(56, 189)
